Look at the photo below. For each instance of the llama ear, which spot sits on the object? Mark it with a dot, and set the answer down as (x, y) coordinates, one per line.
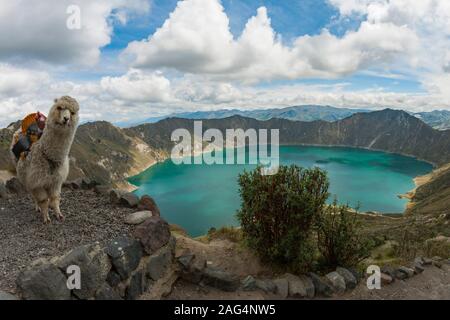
(56, 100)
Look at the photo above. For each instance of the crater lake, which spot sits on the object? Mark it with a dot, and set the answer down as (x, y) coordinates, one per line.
(199, 197)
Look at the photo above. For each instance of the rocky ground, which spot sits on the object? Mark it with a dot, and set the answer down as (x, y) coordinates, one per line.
(24, 238)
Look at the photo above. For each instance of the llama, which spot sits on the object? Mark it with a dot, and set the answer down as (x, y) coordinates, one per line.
(46, 166)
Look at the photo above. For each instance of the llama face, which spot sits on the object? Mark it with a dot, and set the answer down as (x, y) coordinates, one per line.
(64, 112)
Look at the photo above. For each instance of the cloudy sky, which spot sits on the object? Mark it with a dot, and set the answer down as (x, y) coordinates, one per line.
(133, 59)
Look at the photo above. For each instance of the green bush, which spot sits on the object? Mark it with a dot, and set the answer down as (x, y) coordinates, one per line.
(339, 239)
(278, 213)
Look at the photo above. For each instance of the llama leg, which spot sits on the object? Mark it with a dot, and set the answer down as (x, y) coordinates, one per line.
(54, 204)
(42, 201)
(36, 205)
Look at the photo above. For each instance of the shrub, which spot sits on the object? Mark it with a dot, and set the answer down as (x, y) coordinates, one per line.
(340, 241)
(278, 213)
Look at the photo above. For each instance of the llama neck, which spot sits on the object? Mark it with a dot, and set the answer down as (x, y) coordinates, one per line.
(57, 141)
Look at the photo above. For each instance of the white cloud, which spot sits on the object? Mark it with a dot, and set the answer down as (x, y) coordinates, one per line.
(205, 45)
(137, 86)
(37, 29)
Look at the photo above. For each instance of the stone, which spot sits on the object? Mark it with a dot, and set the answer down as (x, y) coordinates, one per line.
(136, 287)
(107, 293)
(350, 280)
(88, 184)
(418, 268)
(154, 233)
(102, 189)
(220, 279)
(113, 279)
(408, 271)
(194, 272)
(159, 263)
(249, 284)
(186, 259)
(267, 286)
(75, 184)
(3, 191)
(13, 185)
(125, 254)
(297, 288)
(386, 279)
(400, 275)
(138, 217)
(427, 261)
(282, 285)
(43, 282)
(94, 266)
(114, 196)
(129, 200)
(389, 270)
(357, 274)
(322, 287)
(5, 296)
(418, 260)
(146, 203)
(337, 282)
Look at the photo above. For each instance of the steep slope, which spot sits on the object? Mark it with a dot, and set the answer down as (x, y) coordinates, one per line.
(107, 154)
(386, 130)
(433, 195)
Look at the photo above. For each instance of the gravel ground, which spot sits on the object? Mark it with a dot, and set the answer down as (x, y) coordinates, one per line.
(24, 238)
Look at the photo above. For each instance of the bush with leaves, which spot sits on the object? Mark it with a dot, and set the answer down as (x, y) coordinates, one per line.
(340, 241)
(278, 213)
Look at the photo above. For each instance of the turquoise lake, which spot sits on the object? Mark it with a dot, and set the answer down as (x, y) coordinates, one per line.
(198, 197)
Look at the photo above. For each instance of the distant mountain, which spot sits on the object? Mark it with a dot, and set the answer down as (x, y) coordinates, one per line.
(438, 119)
(298, 113)
(387, 130)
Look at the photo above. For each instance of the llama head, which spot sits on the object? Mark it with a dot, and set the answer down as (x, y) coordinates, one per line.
(64, 113)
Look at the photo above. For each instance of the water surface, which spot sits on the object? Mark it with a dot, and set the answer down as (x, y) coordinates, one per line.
(198, 197)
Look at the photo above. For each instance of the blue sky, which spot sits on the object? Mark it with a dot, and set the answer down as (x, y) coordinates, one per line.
(135, 58)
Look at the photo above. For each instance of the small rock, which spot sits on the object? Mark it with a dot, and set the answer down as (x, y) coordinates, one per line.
(3, 192)
(386, 279)
(186, 260)
(427, 261)
(138, 217)
(136, 287)
(107, 293)
(13, 185)
(94, 266)
(194, 272)
(282, 285)
(114, 196)
(408, 271)
(75, 184)
(418, 260)
(154, 233)
(129, 200)
(125, 255)
(249, 284)
(146, 203)
(267, 286)
(43, 282)
(159, 263)
(350, 280)
(113, 279)
(102, 189)
(5, 296)
(297, 288)
(389, 270)
(418, 268)
(322, 287)
(336, 281)
(220, 279)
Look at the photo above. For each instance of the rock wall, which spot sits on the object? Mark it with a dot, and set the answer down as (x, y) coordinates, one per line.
(124, 268)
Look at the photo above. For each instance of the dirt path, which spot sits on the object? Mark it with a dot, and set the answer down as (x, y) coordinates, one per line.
(24, 238)
(432, 284)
